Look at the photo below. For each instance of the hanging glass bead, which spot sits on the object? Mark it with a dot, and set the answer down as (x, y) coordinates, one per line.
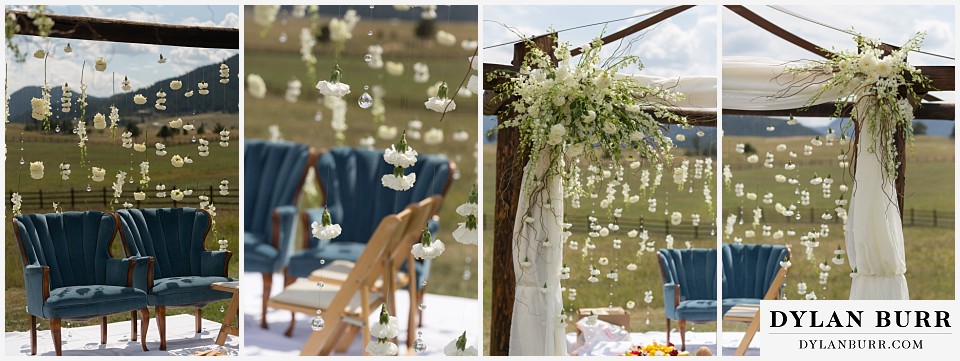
(317, 322)
(283, 37)
(422, 306)
(418, 345)
(365, 101)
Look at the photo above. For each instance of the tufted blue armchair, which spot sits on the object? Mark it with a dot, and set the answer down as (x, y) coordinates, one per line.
(273, 177)
(689, 287)
(70, 274)
(752, 272)
(184, 270)
(357, 200)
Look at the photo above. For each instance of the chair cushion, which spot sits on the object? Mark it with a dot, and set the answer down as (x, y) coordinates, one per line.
(306, 261)
(176, 291)
(305, 293)
(258, 255)
(92, 301)
(697, 310)
(728, 303)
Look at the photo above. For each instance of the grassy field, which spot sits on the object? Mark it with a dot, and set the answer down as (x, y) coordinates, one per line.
(52, 149)
(279, 62)
(930, 252)
(632, 284)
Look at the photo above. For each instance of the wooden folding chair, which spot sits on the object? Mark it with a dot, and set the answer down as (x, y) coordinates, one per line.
(346, 306)
(398, 254)
(751, 313)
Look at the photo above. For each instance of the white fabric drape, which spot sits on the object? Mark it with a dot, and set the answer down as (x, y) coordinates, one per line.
(698, 91)
(751, 83)
(535, 329)
(874, 233)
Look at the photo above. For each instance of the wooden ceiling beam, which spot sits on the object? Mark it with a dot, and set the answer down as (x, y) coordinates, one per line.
(124, 31)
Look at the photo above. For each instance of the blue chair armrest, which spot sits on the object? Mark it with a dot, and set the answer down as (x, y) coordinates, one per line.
(214, 263)
(143, 273)
(118, 271)
(670, 300)
(313, 215)
(37, 282)
(285, 218)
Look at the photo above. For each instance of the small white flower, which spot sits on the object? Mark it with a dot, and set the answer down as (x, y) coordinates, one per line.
(325, 229)
(458, 347)
(99, 121)
(429, 250)
(557, 134)
(101, 64)
(401, 183)
(139, 196)
(36, 170)
(256, 86)
(176, 84)
(433, 136)
(176, 195)
(139, 99)
(177, 161)
(188, 127)
(140, 147)
(97, 174)
(394, 68)
(632, 267)
(440, 105)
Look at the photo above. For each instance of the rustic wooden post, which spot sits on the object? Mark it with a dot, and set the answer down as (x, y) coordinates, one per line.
(40, 202)
(73, 199)
(510, 163)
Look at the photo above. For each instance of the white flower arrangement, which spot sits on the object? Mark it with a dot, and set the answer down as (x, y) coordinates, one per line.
(386, 328)
(65, 171)
(17, 200)
(883, 86)
(202, 88)
(224, 187)
(596, 106)
(65, 96)
(458, 347)
(427, 248)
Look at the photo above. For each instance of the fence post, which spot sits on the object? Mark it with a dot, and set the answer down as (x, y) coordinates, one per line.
(666, 226)
(104, 196)
(73, 199)
(912, 219)
(934, 217)
(813, 216)
(211, 195)
(696, 232)
(40, 192)
(138, 202)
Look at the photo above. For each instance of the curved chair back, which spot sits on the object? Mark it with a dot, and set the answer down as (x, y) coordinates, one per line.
(694, 270)
(74, 245)
(273, 176)
(350, 181)
(172, 236)
(750, 269)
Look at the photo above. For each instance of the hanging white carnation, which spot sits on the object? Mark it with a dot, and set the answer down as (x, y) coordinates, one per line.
(458, 347)
(427, 248)
(333, 87)
(325, 229)
(440, 103)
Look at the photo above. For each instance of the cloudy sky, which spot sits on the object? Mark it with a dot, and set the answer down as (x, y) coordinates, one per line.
(136, 61)
(890, 24)
(685, 44)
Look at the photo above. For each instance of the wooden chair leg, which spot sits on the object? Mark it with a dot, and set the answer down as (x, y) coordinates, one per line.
(364, 313)
(55, 332)
(33, 335)
(668, 330)
(197, 317)
(103, 330)
(293, 320)
(133, 325)
(267, 285)
(162, 325)
(346, 338)
(144, 326)
(683, 335)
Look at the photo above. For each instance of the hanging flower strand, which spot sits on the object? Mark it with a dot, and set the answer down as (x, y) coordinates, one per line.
(401, 156)
(333, 87)
(388, 327)
(466, 232)
(427, 248)
(325, 230)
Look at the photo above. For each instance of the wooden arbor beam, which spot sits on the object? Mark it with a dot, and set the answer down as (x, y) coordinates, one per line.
(635, 28)
(124, 31)
(506, 197)
(776, 30)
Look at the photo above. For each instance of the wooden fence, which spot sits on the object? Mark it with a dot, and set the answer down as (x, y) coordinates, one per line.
(82, 199)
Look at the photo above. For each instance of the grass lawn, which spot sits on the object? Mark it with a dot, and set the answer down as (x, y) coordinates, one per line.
(929, 251)
(52, 149)
(631, 284)
(279, 62)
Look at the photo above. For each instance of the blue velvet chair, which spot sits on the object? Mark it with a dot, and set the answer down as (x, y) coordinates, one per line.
(752, 272)
(357, 200)
(183, 269)
(689, 287)
(273, 178)
(70, 274)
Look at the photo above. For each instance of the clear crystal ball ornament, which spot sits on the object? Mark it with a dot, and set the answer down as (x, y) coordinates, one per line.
(317, 323)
